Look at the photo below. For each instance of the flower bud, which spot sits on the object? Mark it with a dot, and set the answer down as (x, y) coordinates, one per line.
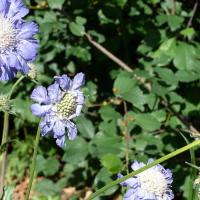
(5, 105)
(33, 73)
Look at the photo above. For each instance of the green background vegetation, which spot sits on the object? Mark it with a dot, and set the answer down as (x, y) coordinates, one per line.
(127, 115)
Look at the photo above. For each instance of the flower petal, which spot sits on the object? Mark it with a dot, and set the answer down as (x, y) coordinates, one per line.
(130, 194)
(27, 49)
(79, 98)
(58, 129)
(72, 130)
(136, 165)
(39, 110)
(54, 92)
(64, 82)
(17, 10)
(4, 4)
(39, 95)
(60, 141)
(78, 81)
(27, 30)
(46, 128)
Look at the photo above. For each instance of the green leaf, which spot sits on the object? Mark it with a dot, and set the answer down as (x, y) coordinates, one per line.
(109, 128)
(79, 52)
(40, 164)
(147, 121)
(126, 88)
(160, 115)
(109, 113)
(187, 76)
(85, 127)
(112, 163)
(167, 76)
(47, 187)
(123, 85)
(158, 89)
(175, 22)
(188, 32)
(76, 151)
(102, 178)
(55, 3)
(77, 29)
(121, 3)
(102, 144)
(80, 20)
(186, 58)
(51, 167)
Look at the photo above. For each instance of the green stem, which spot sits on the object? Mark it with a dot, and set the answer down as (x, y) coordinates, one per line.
(5, 136)
(14, 86)
(160, 160)
(33, 165)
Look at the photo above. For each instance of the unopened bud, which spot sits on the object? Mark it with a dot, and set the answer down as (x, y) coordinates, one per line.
(5, 105)
(33, 71)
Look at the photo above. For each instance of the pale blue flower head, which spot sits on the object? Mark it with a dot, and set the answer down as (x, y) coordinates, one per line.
(17, 45)
(57, 105)
(151, 184)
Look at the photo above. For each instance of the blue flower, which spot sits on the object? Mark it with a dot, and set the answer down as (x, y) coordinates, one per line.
(57, 105)
(17, 45)
(151, 184)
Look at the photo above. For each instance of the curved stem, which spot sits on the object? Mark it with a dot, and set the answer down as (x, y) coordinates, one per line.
(5, 136)
(160, 160)
(33, 165)
(15, 85)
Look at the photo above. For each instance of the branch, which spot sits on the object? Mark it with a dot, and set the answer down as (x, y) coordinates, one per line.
(108, 54)
(193, 13)
(169, 107)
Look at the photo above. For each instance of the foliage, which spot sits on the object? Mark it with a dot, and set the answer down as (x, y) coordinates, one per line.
(127, 115)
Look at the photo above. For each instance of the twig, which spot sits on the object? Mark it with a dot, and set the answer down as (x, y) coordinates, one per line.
(126, 136)
(174, 7)
(108, 54)
(193, 13)
(169, 107)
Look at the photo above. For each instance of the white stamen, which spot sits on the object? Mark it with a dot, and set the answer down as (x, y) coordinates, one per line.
(7, 35)
(154, 182)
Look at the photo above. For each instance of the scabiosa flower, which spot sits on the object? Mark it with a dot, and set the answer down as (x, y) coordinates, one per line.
(57, 105)
(17, 45)
(151, 184)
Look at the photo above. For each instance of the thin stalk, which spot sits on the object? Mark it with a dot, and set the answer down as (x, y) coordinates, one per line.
(33, 165)
(5, 136)
(160, 160)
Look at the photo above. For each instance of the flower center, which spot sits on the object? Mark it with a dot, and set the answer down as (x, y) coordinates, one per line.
(67, 106)
(153, 181)
(7, 35)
